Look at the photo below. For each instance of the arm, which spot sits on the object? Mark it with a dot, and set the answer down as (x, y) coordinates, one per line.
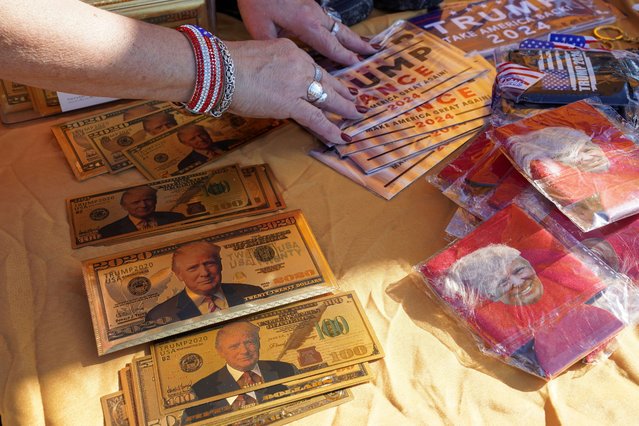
(67, 45)
(267, 19)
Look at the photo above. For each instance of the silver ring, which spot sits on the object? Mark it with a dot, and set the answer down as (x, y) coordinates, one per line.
(321, 98)
(335, 28)
(318, 73)
(314, 92)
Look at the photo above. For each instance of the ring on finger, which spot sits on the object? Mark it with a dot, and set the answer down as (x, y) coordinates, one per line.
(335, 28)
(321, 99)
(315, 92)
(318, 73)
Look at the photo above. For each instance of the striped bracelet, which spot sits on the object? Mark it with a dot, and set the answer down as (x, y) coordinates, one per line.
(215, 73)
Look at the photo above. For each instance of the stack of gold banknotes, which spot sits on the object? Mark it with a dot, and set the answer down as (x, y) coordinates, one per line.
(246, 322)
(20, 103)
(168, 13)
(171, 204)
(157, 138)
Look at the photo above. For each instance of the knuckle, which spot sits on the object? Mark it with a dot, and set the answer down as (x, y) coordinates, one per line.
(311, 117)
(317, 117)
(309, 11)
(285, 45)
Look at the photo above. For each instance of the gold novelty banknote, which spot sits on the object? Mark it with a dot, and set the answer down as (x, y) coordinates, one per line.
(114, 409)
(160, 290)
(301, 396)
(172, 204)
(262, 354)
(73, 136)
(111, 140)
(190, 146)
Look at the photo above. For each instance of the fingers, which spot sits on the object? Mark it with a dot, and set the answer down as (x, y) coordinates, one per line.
(256, 20)
(343, 46)
(312, 118)
(328, 45)
(335, 96)
(306, 20)
(262, 30)
(273, 79)
(351, 41)
(348, 93)
(344, 36)
(339, 100)
(338, 104)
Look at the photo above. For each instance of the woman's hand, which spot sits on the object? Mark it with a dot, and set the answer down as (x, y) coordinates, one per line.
(304, 19)
(271, 80)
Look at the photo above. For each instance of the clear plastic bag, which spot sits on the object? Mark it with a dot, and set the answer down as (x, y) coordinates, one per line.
(472, 152)
(461, 224)
(485, 185)
(582, 156)
(616, 244)
(530, 81)
(570, 75)
(529, 293)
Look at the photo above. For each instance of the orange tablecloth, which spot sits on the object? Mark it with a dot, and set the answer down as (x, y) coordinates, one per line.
(432, 374)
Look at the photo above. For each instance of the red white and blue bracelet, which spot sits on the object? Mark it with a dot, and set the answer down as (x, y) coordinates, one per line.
(215, 72)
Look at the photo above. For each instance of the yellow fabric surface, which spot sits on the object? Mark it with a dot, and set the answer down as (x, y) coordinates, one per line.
(433, 372)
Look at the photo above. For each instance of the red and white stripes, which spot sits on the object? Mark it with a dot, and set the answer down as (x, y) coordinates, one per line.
(215, 80)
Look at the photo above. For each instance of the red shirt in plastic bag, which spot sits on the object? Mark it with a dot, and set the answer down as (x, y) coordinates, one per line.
(523, 293)
(580, 159)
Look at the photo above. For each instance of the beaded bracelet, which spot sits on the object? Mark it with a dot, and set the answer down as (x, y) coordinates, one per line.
(229, 79)
(215, 73)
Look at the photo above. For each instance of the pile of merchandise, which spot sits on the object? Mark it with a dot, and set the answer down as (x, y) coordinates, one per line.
(543, 269)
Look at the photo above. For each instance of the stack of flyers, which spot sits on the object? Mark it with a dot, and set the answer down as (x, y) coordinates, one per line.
(483, 26)
(403, 76)
(425, 98)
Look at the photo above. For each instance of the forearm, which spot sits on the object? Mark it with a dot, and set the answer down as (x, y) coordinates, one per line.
(70, 46)
(67, 45)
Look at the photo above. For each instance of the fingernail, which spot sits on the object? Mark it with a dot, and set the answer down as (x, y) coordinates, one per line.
(353, 90)
(366, 39)
(360, 57)
(361, 108)
(376, 46)
(346, 138)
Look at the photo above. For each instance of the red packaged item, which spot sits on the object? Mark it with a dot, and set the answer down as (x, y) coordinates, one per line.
(617, 244)
(473, 151)
(532, 299)
(581, 157)
(488, 185)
